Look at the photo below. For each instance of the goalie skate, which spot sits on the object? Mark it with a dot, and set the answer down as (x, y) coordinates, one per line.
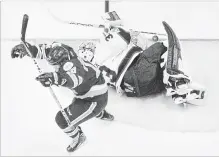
(189, 97)
(183, 90)
(178, 84)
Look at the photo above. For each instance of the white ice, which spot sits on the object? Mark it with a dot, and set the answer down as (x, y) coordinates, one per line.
(142, 126)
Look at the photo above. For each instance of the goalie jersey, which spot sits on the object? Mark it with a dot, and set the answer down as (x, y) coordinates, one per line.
(136, 66)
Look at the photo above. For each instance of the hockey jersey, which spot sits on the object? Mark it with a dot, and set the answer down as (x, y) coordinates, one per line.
(83, 78)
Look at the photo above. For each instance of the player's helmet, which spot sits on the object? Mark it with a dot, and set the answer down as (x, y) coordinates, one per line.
(57, 55)
(86, 51)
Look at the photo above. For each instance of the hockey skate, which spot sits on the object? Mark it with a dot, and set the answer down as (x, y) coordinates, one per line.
(178, 84)
(105, 116)
(188, 97)
(77, 141)
(183, 90)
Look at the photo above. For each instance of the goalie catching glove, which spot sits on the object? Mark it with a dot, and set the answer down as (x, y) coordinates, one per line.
(48, 79)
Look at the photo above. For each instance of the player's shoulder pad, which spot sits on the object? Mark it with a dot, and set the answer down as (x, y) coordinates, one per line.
(68, 66)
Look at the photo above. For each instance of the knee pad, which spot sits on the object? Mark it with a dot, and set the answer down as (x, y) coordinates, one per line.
(60, 120)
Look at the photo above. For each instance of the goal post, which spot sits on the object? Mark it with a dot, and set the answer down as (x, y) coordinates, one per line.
(106, 6)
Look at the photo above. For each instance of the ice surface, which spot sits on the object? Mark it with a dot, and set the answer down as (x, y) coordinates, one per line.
(145, 126)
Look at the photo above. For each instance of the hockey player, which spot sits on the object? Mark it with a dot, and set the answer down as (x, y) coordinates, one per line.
(142, 68)
(83, 78)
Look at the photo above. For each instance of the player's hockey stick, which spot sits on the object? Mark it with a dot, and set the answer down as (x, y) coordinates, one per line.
(23, 33)
(92, 25)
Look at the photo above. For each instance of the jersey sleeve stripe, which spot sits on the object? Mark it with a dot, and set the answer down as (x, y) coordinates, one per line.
(94, 91)
(74, 79)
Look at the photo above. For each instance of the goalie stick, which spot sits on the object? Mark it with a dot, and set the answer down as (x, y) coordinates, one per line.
(92, 25)
(23, 33)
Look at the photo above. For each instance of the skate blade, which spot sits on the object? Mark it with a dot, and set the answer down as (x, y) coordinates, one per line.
(196, 102)
(192, 103)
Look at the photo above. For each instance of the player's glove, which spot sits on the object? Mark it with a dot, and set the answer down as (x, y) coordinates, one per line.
(48, 79)
(19, 51)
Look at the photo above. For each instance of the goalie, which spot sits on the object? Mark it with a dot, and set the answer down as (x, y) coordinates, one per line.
(139, 68)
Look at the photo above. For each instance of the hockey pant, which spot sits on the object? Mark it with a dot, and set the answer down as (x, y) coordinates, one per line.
(79, 111)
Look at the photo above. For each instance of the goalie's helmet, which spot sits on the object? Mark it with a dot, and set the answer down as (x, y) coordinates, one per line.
(57, 55)
(86, 51)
